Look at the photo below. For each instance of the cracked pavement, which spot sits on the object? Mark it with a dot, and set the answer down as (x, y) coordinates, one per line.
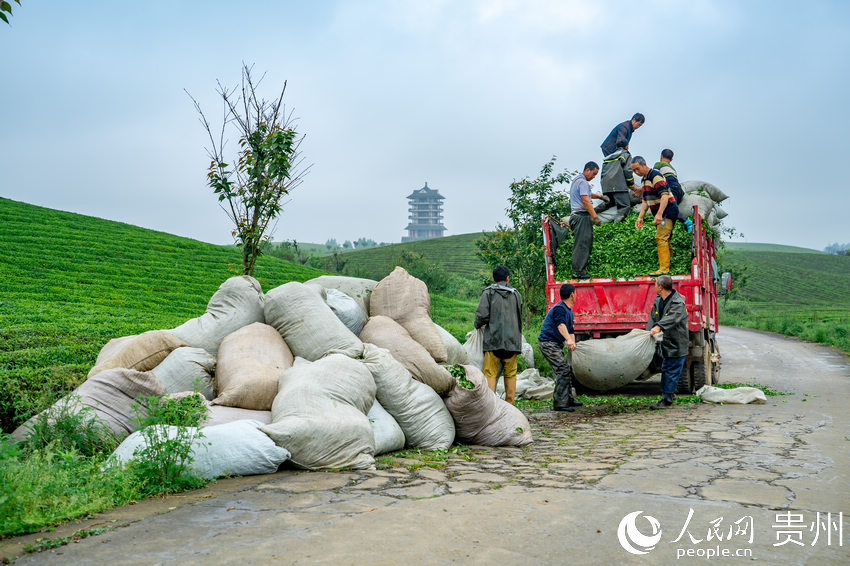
(559, 500)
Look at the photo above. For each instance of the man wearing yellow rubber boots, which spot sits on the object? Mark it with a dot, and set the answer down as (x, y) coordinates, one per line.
(500, 314)
(657, 198)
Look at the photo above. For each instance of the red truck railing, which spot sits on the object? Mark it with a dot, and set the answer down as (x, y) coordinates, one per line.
(608, 307)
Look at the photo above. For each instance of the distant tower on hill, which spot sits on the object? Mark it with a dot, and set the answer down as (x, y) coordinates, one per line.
(426, 215)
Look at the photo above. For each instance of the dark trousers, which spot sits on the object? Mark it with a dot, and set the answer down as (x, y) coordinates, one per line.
(563, 371)
(582, 227)
(620, 199)
(671, 371)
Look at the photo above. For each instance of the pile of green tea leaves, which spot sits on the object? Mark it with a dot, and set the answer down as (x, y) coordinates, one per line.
(621, 250)
(459, 374)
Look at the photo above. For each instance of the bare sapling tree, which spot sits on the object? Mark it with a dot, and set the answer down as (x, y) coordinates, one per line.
(267, 166)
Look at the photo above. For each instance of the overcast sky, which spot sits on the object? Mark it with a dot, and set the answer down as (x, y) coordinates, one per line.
(466, 95)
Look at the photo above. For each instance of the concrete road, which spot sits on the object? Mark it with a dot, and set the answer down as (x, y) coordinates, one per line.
(726, 484)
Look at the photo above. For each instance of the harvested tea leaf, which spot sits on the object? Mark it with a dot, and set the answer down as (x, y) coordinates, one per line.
(621, 250)
(459, 374)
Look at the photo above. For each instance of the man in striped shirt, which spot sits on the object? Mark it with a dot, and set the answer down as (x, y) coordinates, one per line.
(672, 177)
(656, 197)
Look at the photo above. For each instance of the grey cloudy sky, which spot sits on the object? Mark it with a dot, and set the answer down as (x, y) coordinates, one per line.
(466, 95)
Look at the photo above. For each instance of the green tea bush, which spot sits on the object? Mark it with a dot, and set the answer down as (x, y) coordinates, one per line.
(621, 250)
(162, 465)
(68, 426)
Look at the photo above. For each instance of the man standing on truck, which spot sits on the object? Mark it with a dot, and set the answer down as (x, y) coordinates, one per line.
(617, 182)
(621, 135)
(672, 178)
(558, 328)
(670, 316)
(500, 313)
(662, 204)
(583, 218)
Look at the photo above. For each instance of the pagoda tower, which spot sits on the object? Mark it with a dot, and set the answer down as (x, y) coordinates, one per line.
(426, 215)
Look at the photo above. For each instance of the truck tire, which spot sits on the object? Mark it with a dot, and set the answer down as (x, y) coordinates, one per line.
(704, 370)
(686, 382)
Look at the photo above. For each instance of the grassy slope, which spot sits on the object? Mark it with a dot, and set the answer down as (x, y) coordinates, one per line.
(792, 278)
(69, 283)
(454, 253)
(758, 247)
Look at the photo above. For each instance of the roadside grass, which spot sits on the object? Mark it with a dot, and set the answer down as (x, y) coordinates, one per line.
(414, 459)
(823, 324)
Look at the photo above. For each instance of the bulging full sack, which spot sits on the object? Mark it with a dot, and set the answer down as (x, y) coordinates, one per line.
(346, 309)
(141, 352)
(358, 289)
(387, 333)
(405, 299)
(704, 204)
(238, 302)
(482, 418)
(712, 191)
(609, 363)
(474, 347)
(250, 362)
(187, 369)
(455, 354)
(116, 397)
(387, 433)
(417, 408)
(232, 449)
(319, 414)
(307, 324)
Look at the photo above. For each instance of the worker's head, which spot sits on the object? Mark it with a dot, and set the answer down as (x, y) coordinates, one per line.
(566, 291)
(667, 155)
(664, 285)
(590, 170)
(639, 166)
(637, 120)
(500, 273)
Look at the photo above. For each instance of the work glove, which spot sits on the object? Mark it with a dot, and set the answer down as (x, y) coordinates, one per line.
(597, 221)
(606, 199)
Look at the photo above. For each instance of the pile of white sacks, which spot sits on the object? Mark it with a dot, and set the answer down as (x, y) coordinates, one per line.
(326, 374)
(697, 193)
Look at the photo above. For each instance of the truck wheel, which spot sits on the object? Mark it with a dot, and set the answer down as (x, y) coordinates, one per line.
(686, 382)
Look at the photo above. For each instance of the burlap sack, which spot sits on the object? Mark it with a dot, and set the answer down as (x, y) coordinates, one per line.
(385, 430)
(712, 191)
(484, 419)
(113, 396)
(358, 289)
(307, 324)
(455, 354)
(250, 362)
(141, 353)
(704, 204)
(418, 410)
(233, 449)
(346, 309)
(187, 369)
(319, 414)
(384, 332)
(237, 303)
(405, 299)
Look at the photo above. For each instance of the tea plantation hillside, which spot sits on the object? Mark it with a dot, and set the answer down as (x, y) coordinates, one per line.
(793, 278)
(455, 254)
(69, 283)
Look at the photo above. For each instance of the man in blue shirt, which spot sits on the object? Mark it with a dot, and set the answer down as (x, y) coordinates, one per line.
(621, 135)
(557, 329)
(583, 218)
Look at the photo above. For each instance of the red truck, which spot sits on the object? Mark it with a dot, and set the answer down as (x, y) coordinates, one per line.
(607, 308)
